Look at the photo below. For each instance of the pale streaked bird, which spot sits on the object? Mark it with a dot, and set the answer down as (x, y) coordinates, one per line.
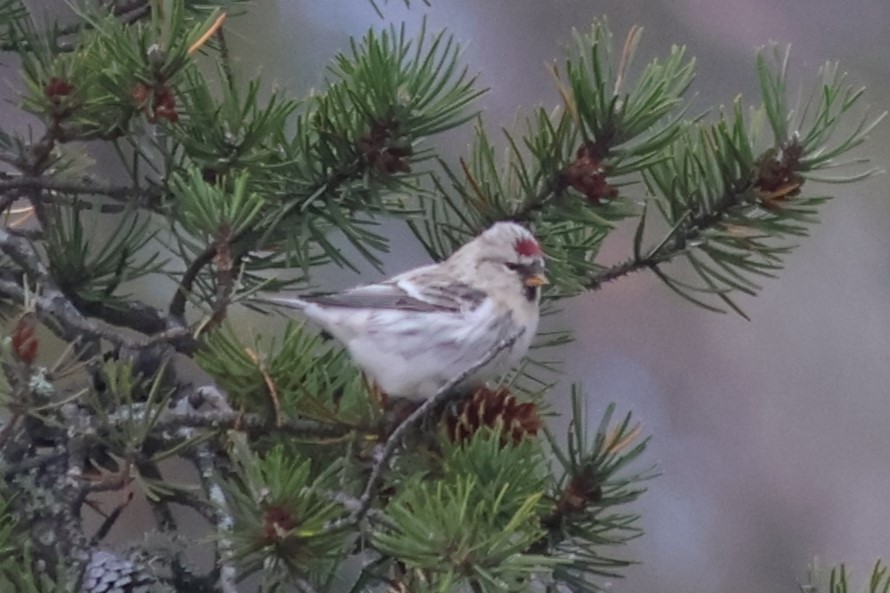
(415, 332)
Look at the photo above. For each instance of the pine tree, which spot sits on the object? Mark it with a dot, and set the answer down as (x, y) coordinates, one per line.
(306, 477)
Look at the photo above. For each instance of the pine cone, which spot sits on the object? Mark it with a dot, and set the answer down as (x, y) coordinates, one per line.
(109, 573)
(587, 175)
(24, 339)
(494, 408)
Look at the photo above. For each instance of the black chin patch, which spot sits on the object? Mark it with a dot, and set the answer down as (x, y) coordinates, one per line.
(531, 293)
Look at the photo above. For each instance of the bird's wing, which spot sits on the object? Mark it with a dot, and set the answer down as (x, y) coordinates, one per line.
(425, 295)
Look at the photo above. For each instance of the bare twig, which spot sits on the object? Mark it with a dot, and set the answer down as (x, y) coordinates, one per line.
(174, 419)
(620, 270)
(87, 186)
(131, 11)
(200, 506)
(110, 521)
(177, 303)
(22, 253)
(256, 423)
(176, 309)
(142, 318)
(32, 463)
(203, 458)
(353, 504)
(113, 480)
(675, 243)
(53, 303)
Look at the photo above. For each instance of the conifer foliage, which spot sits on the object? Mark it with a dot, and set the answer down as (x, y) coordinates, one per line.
(303, 476)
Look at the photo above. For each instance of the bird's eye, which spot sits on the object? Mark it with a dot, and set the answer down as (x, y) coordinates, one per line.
(514, 266)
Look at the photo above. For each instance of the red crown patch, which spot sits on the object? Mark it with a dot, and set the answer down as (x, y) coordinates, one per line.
(527, 247)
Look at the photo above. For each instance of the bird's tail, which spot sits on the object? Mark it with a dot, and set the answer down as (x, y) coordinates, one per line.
(279, 301)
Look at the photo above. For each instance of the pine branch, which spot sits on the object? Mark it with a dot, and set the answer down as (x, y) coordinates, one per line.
(588, 516)
(52, 304)
(208, 468)
(177, 422)
(176, 309)
(298, 472)
(71, 311)
(676, 243)
(122, 193)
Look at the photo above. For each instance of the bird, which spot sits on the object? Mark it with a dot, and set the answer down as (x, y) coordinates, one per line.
(416, 332)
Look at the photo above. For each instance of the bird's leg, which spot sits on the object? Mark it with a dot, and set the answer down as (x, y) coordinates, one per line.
(378, 396)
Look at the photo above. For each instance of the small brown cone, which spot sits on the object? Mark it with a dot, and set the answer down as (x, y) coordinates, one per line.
(384, 150)
(278, 522)
(586, 174)
(494, 408)
(24, 338)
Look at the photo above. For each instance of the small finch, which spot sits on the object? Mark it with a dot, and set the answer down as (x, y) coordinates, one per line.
(417, 331)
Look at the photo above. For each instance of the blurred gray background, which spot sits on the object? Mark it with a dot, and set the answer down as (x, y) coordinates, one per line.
(772, 436)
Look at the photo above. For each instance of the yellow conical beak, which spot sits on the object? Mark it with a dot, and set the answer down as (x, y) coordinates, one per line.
(536, 280)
